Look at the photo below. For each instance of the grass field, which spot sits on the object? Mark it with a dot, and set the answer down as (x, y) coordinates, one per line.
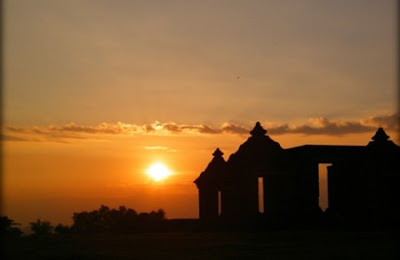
(203, 245)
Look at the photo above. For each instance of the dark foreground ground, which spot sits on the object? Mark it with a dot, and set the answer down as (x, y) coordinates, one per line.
(222, 245)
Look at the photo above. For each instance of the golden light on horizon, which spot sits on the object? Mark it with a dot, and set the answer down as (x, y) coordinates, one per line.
(158, 171)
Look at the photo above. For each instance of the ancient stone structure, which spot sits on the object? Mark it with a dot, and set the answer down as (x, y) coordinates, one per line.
(363, 184)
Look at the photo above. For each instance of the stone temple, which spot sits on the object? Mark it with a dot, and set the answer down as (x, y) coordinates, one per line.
(262, 185)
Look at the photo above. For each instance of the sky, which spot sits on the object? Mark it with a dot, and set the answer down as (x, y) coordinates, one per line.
(94, 92)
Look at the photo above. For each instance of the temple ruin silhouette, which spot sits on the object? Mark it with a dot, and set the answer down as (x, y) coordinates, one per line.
(363, 184)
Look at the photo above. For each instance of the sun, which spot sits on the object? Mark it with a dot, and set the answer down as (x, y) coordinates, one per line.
(158, 171)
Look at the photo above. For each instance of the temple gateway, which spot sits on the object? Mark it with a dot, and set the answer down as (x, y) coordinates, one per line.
(262, 184)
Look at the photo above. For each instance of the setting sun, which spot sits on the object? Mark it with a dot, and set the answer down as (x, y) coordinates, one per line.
(158, 171)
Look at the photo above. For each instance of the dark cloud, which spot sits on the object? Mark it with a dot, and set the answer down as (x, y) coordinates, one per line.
(324, 126)
(332, 128)
(172, 128)
(389, 121)
(205, 129)
(103, 128)
(31, 139)
(234, 129)
(278, 130)
(14, 138)
(15, 129)
(148, 128)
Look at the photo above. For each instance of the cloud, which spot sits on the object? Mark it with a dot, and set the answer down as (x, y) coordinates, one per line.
(278, 129)
(30, 138)
(172, 127)
(155, 147)
(14, 138)
(314, 126)
(103, 128)
(159, 148)
(15, 129)
(205, 129)
(388, 121)
(324, 126)
(234, 129)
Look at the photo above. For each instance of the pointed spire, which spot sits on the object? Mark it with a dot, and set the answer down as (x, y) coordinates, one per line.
(380, 135)
(258, 130)
(218, 153)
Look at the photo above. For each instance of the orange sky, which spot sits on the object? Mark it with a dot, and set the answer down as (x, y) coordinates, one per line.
(95, 91)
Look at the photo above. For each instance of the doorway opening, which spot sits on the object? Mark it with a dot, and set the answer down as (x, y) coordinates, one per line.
(323, 185)
(261, 194)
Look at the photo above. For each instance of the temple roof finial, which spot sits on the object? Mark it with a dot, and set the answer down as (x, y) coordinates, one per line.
(218, 153)
(380, 136)
(258, 130)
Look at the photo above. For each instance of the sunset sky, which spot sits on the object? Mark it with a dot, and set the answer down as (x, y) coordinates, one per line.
(96, 91)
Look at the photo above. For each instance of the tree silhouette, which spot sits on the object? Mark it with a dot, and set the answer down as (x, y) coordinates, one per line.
(41, 228)
(7, 227)
(118, 220)
(62, 229)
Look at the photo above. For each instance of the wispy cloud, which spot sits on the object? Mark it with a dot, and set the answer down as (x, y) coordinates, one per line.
(388, 121)
(14, 138)
(103, 128)
(324, 126)
(155, 147)
(159, 148)
(314, 126)
(234, 128)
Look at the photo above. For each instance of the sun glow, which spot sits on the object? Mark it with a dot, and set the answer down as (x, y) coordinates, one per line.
(158, 171)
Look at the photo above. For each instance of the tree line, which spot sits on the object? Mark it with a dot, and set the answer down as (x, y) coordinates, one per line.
(103, 219)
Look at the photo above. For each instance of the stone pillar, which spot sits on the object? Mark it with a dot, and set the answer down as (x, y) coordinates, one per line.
(208, 205)
(279, 197)
(331, 187)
